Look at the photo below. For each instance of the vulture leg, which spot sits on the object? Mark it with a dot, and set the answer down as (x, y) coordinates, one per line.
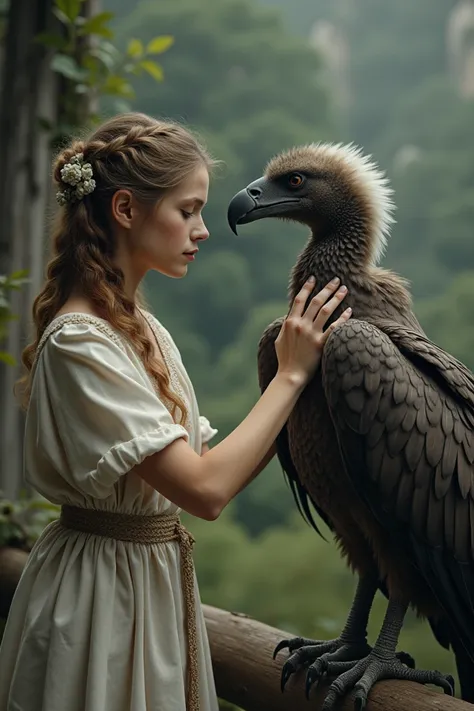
(337, 655)
(382, 663)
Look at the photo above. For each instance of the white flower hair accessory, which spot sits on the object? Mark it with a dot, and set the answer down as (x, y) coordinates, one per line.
(78, 175)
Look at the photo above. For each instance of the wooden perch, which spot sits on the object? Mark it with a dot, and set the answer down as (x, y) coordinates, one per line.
(247, 676)
(245, 672)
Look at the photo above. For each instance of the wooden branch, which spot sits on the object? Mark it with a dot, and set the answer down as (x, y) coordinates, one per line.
(246, 675)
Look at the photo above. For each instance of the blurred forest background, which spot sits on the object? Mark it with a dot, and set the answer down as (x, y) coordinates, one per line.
(254, 78)
(258, 77)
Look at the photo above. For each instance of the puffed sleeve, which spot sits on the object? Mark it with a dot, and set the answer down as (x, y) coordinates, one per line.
(96, 414)
(207, 432)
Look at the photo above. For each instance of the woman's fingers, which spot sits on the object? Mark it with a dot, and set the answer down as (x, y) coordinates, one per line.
(327, 310)
(345, 316)
(299, 302)
(320, 302)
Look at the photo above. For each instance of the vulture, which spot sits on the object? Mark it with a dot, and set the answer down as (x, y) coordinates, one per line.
(381, 441)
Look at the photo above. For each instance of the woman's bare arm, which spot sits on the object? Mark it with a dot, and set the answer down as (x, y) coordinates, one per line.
(204, 485)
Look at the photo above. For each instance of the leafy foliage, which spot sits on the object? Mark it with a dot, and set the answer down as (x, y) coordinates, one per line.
(13, 282)
(90, 65)
(22, 521)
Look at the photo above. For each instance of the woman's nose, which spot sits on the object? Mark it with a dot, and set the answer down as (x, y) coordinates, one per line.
(201, 232)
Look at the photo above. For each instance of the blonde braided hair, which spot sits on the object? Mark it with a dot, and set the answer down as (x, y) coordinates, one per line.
(130, 151)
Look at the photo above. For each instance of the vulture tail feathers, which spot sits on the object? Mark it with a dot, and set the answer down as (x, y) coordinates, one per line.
(464, 668)
(447, 638)
(452, 583)
(300, 494)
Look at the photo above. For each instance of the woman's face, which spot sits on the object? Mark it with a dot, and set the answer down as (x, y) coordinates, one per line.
(166, 238)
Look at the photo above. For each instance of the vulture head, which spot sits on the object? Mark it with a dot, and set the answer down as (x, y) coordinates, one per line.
(336, 191)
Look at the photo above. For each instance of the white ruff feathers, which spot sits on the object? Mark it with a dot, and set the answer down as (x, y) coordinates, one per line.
(360, 171)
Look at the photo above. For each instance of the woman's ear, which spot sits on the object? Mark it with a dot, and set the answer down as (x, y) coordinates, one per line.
(121, 208)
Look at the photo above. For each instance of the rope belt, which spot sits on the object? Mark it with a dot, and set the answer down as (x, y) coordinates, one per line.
(148, 530)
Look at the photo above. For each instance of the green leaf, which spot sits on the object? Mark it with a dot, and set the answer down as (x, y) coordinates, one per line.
(61, 16)
(7, 358)
(152, 68)
(158, 45)
(118, 86)
(42, 505)
(97, 25)
(107, 54)
(19, 274)
(52, 40)
(71, 8)
(17, 284)
(135, 48)
(68, 67)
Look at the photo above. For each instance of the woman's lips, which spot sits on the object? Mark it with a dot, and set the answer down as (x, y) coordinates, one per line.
(190, 255)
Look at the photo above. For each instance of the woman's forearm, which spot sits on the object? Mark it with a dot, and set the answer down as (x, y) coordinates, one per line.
(261, 466)
(231, 464)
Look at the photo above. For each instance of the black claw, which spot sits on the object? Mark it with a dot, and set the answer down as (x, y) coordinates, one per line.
(312, 680)
(286, 672)
(450, 680)
(360, 701)
(281, 645)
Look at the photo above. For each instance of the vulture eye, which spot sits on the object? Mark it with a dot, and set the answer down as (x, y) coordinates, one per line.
(295, 180)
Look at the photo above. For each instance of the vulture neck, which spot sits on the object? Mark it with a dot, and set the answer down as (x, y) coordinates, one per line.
(342, 255)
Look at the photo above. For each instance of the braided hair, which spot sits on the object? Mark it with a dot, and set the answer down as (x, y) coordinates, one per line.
(130, 151)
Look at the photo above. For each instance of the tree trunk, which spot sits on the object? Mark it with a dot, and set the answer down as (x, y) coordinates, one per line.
(29, 92)
(246, 675)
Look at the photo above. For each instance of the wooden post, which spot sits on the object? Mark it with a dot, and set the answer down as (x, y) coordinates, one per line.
(246, 675)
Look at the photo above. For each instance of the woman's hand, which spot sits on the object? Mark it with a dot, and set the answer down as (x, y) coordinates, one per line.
(301, 340)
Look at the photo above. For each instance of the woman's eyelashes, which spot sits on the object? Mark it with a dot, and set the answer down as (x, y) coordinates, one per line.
(187, 214)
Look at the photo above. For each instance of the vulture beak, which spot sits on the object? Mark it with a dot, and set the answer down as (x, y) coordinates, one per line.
(262, 198)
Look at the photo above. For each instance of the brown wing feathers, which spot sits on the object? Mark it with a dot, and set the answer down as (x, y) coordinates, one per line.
(409, 448)
(267, 368)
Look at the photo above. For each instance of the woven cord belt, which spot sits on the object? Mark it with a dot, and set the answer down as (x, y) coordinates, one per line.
(148, 530)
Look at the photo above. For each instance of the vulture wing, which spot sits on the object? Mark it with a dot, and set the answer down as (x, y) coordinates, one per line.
(403, 410)
(267, 368)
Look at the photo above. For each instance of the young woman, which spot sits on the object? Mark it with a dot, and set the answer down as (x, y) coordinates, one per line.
(107, 614)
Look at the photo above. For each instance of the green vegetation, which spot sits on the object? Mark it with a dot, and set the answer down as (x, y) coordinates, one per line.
(12, 282)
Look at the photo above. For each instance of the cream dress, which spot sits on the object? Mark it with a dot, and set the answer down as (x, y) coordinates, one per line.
(97, 624)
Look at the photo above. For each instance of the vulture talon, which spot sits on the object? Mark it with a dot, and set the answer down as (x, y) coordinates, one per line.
(367, 672)
(312, 679)
(316, 672)
(406, 659)
(360, 700)
(292, 644)
(300, 658)
(281, 645)
(286, 672)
